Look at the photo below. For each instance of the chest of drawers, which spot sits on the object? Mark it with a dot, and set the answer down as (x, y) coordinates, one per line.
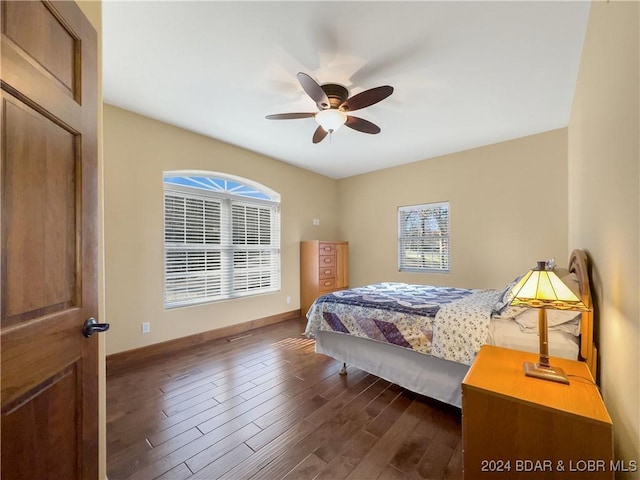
(324, 268)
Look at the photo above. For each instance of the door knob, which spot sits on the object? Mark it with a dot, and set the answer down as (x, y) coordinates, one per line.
(91, 326)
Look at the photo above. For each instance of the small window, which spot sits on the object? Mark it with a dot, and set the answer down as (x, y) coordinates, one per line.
(221, 238)
(423, 238)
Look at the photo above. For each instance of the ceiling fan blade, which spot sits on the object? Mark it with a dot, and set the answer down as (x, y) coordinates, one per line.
(366, 98)
(319, 134)
(362, 125)
(289, 116)
(311, 87)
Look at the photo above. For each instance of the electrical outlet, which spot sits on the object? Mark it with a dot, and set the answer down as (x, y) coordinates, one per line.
(288, 299)
(316, 221)
(146, 327)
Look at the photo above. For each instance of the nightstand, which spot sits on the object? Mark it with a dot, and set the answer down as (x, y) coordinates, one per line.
(515, 426)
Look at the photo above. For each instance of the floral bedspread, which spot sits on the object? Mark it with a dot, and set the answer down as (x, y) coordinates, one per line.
(461, 328)
(408, 316)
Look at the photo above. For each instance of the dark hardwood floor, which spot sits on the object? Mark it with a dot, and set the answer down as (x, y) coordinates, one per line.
(265, 406)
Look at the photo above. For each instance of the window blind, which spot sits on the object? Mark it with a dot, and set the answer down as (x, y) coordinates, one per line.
(255, 259)
(423, 238)
(218, 248)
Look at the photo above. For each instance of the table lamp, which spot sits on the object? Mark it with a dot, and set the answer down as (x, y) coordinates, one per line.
(543, 289)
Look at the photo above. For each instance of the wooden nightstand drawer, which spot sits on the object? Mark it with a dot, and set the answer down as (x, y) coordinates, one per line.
(515, 426)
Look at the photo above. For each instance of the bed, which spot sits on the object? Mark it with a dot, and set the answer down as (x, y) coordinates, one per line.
(424, 338)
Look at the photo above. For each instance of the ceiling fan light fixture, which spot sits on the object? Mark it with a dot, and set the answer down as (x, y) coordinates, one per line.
(331, 119)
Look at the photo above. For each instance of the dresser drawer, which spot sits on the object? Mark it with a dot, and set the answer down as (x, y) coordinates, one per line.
(327, 284)
(327, 249)
(327, 261)
(327, 272)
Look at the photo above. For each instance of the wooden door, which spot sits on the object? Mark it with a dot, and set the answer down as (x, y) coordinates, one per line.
(48, 242)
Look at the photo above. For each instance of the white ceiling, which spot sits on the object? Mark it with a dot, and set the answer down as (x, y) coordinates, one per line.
(465, 74)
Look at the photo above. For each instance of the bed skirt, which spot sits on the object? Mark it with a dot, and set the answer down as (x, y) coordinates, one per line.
(430, 376)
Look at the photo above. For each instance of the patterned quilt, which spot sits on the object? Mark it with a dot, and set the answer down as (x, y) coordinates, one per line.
(409, 316)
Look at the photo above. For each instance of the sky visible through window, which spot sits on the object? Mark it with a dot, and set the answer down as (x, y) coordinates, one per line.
(217, 185)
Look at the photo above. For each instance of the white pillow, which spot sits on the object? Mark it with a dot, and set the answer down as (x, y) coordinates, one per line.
(509, 311)
(568, 319)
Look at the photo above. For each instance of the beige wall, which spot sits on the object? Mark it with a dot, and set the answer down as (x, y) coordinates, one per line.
(508, 209)
(604, 206)
(137, 151)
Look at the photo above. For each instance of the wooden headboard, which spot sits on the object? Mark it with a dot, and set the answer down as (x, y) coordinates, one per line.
(578, 264)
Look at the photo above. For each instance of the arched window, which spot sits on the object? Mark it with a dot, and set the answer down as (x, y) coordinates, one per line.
(221, 238)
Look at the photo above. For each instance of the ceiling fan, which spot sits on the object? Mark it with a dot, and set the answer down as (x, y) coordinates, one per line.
(334, 103)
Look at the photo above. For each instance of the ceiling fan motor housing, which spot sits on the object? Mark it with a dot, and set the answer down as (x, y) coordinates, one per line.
(337, 95)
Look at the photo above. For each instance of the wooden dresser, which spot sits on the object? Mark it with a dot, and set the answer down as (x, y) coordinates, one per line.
(324, 268)
(515, 426)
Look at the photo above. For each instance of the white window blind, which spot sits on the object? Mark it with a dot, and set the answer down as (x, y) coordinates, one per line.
(253, 258)
(218, 247)
(423, 238)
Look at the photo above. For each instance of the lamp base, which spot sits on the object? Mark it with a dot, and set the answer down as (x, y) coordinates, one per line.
(553, 374)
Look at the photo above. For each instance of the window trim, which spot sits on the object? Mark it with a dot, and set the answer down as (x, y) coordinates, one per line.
(421, 207)
(226, 247)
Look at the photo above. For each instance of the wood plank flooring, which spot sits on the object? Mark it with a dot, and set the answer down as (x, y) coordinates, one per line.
(266, 406)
